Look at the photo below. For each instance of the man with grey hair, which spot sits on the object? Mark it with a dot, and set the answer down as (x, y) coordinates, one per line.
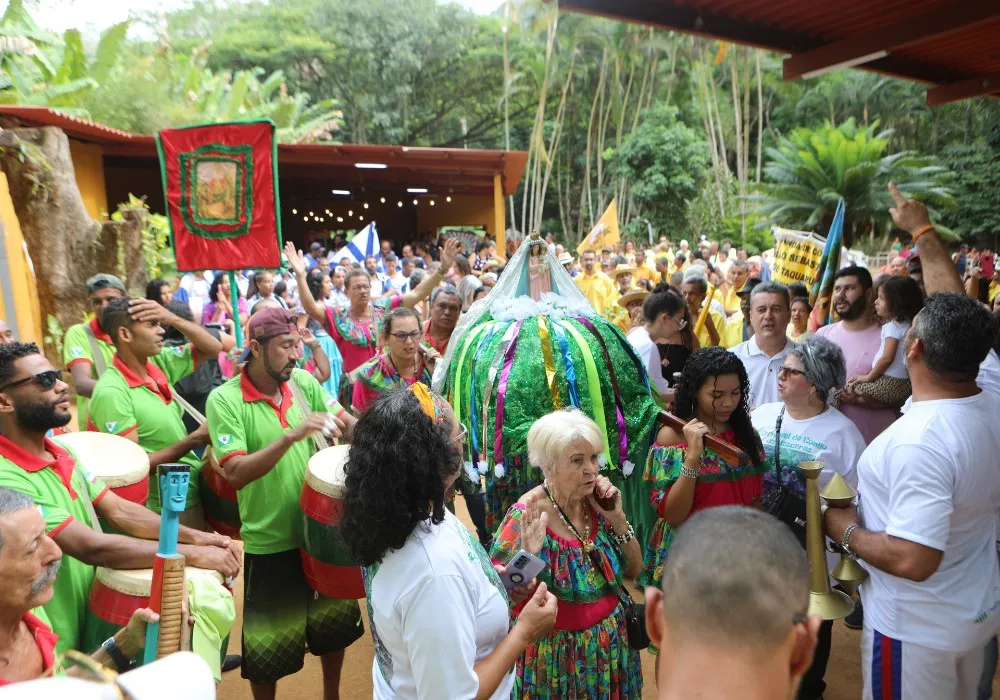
(694, 290)
(929, 493)
(445, 310)
(764, 354)
(731, 619)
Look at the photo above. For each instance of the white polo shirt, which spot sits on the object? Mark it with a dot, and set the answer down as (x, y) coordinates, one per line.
(933, 478)
(762, 370)
(647, 351)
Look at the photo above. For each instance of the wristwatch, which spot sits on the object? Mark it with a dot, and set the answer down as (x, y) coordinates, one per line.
(121, 663)
(845, 540)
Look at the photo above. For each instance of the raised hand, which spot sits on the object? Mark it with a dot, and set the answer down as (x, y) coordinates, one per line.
(451, 249)
(295, 262)
(143, 310)
(533, 524)
(908, 214)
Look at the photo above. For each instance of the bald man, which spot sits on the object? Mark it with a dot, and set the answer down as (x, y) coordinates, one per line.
(731, 619)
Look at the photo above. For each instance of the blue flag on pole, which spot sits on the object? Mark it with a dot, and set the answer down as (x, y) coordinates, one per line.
(365, 244)
(821, 294)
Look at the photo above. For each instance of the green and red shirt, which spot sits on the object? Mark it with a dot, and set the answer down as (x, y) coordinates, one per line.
(45, 640)
(124, 402)
(58, 487)
(242, 421)
(77, 348)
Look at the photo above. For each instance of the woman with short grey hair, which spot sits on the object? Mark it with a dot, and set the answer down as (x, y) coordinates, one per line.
(804, 427)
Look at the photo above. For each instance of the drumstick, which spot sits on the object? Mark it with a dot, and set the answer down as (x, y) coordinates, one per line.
(730, 453)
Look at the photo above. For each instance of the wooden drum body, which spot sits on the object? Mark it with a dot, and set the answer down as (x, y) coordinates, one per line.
(115, 595)
(328, 567)
(218, 498)
(120, 463)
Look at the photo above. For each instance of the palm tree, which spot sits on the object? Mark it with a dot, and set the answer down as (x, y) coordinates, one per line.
(811, 169)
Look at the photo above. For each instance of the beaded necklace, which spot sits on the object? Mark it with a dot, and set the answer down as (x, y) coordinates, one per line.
(585, 538)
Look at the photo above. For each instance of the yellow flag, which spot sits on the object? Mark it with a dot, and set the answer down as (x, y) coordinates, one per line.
(605, 234)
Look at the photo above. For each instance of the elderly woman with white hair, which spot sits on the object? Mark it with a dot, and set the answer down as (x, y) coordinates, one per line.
(803, 427)
(574, 521)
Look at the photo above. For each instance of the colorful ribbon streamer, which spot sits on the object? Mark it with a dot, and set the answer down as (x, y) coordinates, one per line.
(474, 440)
(488, 390)
(567, 357)
(593, 381)
(619, 408)
(456, 397)
(550, 369)
(502, 396)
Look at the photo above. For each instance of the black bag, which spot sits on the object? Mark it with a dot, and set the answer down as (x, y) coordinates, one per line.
(788, 507)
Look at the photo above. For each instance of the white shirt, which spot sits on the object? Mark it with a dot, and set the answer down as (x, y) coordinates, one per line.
(647, 351)
(398, 282)
(894, 329)
(933, 477)
(197, 287)
(762, 370)
(437, 607)
(379, 285)
(988, 378)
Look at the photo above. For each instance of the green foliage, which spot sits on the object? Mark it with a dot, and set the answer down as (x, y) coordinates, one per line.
(54, 335)
(810, 170)
(664, 159)
(977, 184)
(157, 251)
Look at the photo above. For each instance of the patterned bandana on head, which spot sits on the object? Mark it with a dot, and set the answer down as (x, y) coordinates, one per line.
(428, 402)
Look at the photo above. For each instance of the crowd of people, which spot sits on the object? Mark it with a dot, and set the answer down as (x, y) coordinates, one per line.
(896, 397)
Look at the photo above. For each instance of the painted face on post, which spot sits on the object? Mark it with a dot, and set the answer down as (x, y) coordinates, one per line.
(173, 489)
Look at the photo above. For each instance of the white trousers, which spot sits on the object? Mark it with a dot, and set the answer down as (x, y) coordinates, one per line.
(895, 670)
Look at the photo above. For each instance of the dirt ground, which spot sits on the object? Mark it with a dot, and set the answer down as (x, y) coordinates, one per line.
(843, 675)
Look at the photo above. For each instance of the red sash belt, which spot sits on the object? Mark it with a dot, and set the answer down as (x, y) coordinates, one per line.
(574, 617)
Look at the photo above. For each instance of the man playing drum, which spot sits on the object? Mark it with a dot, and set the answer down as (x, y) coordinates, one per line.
(33, 400)
(262, 423)
(135, 398)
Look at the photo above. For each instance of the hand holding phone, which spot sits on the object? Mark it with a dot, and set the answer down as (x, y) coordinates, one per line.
(522, 569)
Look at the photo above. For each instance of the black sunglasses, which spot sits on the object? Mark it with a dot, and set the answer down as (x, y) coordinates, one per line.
(47, 379)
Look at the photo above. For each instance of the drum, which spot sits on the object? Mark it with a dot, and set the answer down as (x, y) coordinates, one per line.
(327, 566)
(115, 595)
(218, 498)
(120, 463)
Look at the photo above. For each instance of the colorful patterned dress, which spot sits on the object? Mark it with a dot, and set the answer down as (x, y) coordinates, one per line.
(719, 484)
(587, 654)
(378, 376)
(357, 340)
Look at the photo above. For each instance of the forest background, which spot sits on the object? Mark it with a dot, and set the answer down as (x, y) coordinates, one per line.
(691, 137)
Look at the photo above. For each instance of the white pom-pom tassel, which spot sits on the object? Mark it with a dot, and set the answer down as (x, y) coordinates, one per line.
(602, 461)
(627, 468)
(483, 467)
(498, 470)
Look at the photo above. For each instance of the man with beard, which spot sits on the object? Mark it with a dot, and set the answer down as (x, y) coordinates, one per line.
(925, 527)
(764, 354)
(87, 349)
(262, 423)
(379, 282)
(859, 336)
(33, 400)
(446, 308)
(135, 397)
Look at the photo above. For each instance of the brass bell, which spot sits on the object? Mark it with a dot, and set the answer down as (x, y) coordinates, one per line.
(848, 572)
(823, 600)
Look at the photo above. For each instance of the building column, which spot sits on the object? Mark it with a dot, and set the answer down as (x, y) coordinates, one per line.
(499, 220)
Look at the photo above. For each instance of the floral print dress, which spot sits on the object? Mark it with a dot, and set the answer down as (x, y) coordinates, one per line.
(587, 654)
(719, 484)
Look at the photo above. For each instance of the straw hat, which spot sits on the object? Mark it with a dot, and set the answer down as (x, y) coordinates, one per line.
(622, 270)
(633, 296)
(565, 259)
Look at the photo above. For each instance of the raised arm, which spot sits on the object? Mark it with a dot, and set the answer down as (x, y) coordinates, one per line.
(298, 267)
(206, 346)
(452, 247)
(940, 273)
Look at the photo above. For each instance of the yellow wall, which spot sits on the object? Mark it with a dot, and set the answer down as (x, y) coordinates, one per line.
(88, 162)
(460, 211)
(27, 321)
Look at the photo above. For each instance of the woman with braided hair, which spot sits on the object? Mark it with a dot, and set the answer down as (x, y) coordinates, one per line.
(686, 475)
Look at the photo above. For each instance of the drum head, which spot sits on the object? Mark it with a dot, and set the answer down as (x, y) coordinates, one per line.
(115, 460)
(136, 582)
(326, 470)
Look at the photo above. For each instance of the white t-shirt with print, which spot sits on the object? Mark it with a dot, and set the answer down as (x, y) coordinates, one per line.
(933, 478)
(647, 351)
(437, 606)
(894, 329)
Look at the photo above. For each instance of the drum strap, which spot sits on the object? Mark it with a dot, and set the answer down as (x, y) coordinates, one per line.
(189, 409)
(91, 513)
(95, 350)
(300, 399)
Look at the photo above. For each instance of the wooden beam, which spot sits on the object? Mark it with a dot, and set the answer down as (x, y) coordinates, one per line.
(963, 89)
(854, 50)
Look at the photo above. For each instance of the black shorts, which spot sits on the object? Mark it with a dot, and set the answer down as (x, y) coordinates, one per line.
(281, 614)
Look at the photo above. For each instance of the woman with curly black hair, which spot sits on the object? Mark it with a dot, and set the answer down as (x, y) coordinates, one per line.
(686, 475)
(438, 610)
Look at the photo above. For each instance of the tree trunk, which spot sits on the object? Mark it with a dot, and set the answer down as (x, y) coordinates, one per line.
(65, 244)
(130, 234)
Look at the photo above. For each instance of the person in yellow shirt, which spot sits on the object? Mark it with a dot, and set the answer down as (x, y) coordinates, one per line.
(736, 277)
(644, 270)
(595, 285)
(710, 333)
(616, 313)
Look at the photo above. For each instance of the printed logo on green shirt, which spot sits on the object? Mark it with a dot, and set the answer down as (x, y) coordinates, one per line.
(88, 475)
(179, 350)
(225, 440)
(111, 425)
(76, 352)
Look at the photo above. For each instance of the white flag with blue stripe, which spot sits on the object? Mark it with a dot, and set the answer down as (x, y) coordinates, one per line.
(365, 244)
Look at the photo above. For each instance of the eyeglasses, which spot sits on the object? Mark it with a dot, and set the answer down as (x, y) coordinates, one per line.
(785, 371)
(681, 323)
(403, 337)
(460, 438)
(46, 379)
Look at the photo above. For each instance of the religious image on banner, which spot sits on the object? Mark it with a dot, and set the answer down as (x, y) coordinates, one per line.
(220, 185)
(796, 256)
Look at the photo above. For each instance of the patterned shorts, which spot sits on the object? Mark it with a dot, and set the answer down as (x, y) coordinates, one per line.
(892, 391)
(281, 614)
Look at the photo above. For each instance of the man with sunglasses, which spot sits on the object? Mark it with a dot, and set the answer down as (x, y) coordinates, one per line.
(33, 400)
(87, 349)
(135, 398)
(262, 424)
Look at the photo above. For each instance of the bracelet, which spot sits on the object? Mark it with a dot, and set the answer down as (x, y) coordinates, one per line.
(845, 541)
(921, 231)
(626, 537)
(689, 473)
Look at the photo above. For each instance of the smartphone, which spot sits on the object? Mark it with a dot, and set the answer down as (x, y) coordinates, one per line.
(522, 569)
(605, 503)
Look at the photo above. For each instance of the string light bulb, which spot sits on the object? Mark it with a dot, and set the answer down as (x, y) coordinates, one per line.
(400, 203)
(350, 212)
(340, 219)
(432, 202)
(295, 211)
(366, 205)
(414, 202)
(383, 199)
(448, 198)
